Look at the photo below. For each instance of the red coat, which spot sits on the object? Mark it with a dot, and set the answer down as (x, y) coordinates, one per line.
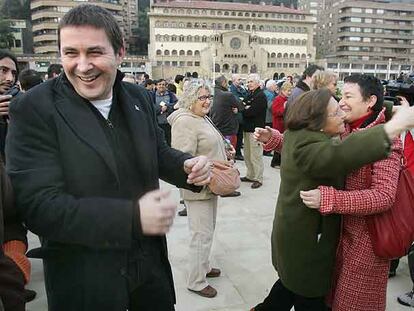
(278, 108)
(360, 279)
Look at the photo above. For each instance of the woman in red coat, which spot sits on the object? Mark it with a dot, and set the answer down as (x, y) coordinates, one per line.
(360, 278)
(278, 109)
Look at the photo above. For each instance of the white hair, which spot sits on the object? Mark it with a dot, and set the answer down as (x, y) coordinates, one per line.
(254, 77)
(269, 83)
(191, 93)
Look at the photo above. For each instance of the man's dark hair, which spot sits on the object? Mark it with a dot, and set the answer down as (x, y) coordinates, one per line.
(369, 85)
(219, 81)
(148, 82)
(172, 88)
(146, 76)
(194, 75)
(94, 16)
(310, 70)
(178, 78)
(7, 54)
(159, 81)
(309, 110)
(54, 69)
(29, 78)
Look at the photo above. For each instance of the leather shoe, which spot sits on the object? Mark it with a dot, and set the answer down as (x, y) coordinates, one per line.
(29, 295)
(214, 273)
(239, 157)
(233, 194)
(208, 292)
(245, 179)
(256, 184)
(183, 212)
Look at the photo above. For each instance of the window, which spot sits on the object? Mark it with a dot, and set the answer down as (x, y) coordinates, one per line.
(356, 10)
(355, 20)
(174, 52)
(197, 64)
(189, 53)
(190, 64)
(182, 52)
(167, 52)
(158, 52)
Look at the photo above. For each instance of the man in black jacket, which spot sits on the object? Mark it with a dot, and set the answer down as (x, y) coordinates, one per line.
(224, 110)
(85, 155)
(254, 116)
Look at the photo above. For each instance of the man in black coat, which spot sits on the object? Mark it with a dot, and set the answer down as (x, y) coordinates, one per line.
(254, 116)
(85, 155)
(224, 110)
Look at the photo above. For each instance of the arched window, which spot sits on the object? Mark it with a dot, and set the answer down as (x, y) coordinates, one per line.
(174, 52)
(189, 25)
(286, 29)
(189, 39)
(279, 41)
(298, 42)
(297, 55)
(166, 24)
(219, 26)
(254, 27)
(253, 69)
(275, 76)
(240, 27)
(182, 52)
(291, 55)
(303, 56)
(196, 25)
(309, 55)
(286, 41)
(197, 38)
(273, 55)
(219, 13)
(261, 28)
(244, 68)
(204, 39)
(188, 11)
(267, 41)
(213, 26)
(204, 25)
(274, 41)
(173, 38)
(279, 55)
(227, 27)
(216, 68)
(235, 68)
(282, 75)
(167, 52)
(181, 25)
(158, 52)
(196, 53)
(285, 55)
(174, 11)
(246, 14)
(292, 42)
(248, 27)
(166, 38)
(240, 14)
(226, 13)
(181, 38)
(173, 25)
(189, 53)
(158, 38)
(226, 67)
(304, 42)
(233, 13)
(233, 26)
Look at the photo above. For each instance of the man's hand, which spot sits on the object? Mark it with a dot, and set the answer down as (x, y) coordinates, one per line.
(198, 170)
(4, 104)
(262, 134)
(157, 212)
(311, 198)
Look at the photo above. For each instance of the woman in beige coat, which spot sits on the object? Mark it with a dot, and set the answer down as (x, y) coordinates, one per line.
(193, 132)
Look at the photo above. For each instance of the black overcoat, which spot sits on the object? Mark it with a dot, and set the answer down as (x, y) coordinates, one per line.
(66, 183)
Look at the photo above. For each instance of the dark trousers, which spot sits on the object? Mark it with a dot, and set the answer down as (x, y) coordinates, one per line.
(282, 299)
(167, 132)
(276, 159)
(395, 262)
(239, 144)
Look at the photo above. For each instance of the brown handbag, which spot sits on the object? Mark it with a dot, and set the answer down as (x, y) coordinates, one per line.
(392, 232)
(225, 178)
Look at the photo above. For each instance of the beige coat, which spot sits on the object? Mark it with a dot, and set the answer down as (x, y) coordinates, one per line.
(195, 135)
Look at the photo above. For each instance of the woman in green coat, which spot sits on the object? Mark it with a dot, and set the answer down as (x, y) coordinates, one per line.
(303, 241)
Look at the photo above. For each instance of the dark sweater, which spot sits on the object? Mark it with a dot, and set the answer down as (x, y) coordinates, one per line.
(221, 111)
(255, 116)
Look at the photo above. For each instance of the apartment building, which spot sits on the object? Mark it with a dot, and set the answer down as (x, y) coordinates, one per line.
(214, 38)
(373, 37)
(46, 15)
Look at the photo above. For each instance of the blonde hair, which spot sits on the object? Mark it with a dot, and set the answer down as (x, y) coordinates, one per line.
(287, 86)
(321, 79)
(191, 93)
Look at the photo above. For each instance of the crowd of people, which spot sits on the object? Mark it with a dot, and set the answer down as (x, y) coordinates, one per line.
(82, 154)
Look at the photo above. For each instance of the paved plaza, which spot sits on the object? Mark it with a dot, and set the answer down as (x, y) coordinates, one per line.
(241, 250)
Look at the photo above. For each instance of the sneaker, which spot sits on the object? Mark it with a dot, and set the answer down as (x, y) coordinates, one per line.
(406, 299)
(183, 212)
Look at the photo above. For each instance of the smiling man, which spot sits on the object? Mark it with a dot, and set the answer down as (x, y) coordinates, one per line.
(85, 156)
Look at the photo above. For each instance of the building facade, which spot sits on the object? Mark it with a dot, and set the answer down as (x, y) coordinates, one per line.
(373, 37)
(46, 15)
(215, 38)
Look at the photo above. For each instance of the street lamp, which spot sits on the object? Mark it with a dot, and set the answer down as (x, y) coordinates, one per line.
(307, 60)
(389, 68)
(162, 61)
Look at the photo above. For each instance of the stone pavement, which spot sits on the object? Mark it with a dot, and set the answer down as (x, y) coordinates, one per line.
(241, 250)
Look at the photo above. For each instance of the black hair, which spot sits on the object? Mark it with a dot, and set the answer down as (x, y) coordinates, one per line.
(172, 88)
(369, 85)
(310, 70)
(29, 78)
(7, 54)
(194, 75)
(146, 76)
(178, 78)
(95, 16)
(54, 69)
(148, 82)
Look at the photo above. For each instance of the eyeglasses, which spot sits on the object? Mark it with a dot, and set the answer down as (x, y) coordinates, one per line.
(205, 97)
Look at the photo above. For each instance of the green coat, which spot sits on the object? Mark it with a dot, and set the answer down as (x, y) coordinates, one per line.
(303, 241)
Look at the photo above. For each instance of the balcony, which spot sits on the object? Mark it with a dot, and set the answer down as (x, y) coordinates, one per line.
(34, 4)
(46, 49)
(45, 37)
(41, 26)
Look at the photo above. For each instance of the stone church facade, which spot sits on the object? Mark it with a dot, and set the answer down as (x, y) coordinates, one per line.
(214, 38)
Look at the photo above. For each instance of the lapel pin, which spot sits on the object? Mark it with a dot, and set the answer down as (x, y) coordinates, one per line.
(136, 107)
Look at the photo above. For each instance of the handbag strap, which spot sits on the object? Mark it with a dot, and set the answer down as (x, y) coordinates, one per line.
(212, 123)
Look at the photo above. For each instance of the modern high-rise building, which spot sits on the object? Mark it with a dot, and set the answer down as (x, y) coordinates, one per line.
(46, 15)
(374, 37)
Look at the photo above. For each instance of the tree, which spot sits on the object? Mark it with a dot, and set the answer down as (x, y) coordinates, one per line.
(6, 34)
